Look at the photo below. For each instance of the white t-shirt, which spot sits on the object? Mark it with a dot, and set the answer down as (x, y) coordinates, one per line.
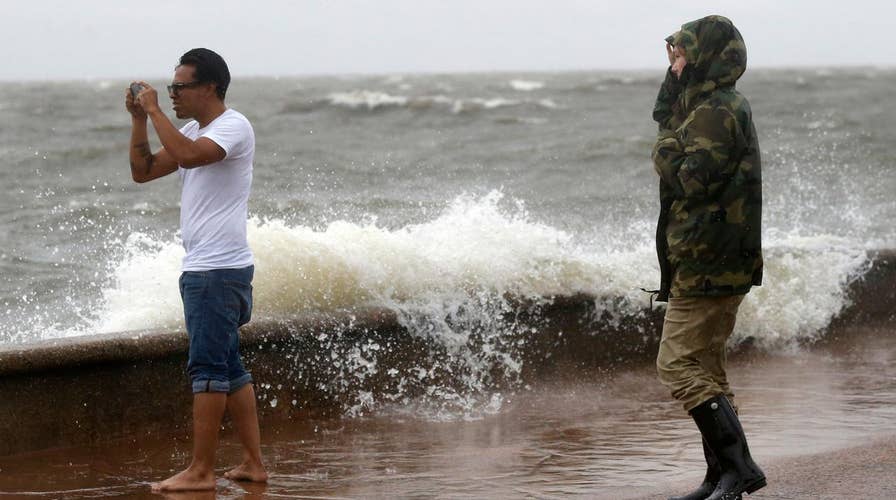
(214, 199)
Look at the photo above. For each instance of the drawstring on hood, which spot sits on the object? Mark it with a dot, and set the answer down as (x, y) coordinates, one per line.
(716, 55)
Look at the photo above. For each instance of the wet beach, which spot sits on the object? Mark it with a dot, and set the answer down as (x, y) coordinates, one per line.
(581, 434)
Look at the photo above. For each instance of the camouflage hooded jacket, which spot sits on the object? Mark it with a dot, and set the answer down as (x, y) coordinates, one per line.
(707, 157)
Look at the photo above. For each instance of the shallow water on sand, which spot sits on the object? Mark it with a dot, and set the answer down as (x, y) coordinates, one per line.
(595, 436)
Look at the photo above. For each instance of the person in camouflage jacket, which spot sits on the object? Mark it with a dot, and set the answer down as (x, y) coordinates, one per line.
(707, 156)
(708, 238)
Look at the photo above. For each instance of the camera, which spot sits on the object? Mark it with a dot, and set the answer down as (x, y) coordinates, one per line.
(135, 89)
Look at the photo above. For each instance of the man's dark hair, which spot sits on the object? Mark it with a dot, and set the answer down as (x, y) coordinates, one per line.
(209, 67)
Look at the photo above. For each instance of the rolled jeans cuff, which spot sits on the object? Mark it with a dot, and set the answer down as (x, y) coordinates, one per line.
(229, 387)
(238, 383)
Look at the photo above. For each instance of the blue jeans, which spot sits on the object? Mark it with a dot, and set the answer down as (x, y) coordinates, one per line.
(216, 304)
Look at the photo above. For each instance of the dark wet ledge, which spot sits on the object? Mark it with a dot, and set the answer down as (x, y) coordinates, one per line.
(73, 352)
(83, 390)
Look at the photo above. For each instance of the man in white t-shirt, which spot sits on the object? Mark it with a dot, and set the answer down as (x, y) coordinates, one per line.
(213, 154)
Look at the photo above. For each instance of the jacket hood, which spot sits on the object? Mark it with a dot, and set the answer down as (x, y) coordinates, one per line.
(715, 52)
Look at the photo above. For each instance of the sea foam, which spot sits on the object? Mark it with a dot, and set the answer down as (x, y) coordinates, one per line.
(371, 100)
(455, 280)
(526, 85)
(481, 245)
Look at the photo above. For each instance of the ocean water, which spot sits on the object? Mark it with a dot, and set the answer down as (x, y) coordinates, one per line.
(441, 197)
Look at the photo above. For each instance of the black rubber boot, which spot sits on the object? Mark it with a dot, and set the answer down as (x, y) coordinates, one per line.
(723, 433)
(709, 481)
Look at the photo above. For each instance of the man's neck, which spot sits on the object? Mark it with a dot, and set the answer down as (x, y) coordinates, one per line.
(208, 115)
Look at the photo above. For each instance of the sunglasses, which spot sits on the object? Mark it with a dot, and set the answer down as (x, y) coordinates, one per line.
(175, 88)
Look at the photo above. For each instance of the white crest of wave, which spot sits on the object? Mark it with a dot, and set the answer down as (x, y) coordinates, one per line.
(365, 99)
(805, 285)
(371, 100)
(526, 85)
(145, 290)
(474, 246)
(481, 246)
(478, 103)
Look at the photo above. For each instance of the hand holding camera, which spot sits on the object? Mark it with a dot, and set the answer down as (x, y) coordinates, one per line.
(131, 103)
(141, 98)
(135, 89)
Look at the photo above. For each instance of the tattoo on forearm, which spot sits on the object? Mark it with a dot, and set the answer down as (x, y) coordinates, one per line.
(144, 152)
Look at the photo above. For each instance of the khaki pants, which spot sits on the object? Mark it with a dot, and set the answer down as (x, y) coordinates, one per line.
(691, 360)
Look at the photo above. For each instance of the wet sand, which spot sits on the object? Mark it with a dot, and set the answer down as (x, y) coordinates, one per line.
(865, 471)
(581, 435)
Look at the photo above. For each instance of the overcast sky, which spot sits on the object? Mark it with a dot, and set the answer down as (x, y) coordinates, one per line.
(49, 39)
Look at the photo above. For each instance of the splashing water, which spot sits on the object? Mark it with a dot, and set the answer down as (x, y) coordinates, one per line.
(455, 282)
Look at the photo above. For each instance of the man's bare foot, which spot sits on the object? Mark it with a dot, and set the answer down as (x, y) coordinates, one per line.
(248, 471)
(187, 480)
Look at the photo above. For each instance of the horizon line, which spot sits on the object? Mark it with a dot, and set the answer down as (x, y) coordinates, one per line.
(357, 74)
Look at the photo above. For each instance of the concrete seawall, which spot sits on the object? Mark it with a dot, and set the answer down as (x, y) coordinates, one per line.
(84, 390)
